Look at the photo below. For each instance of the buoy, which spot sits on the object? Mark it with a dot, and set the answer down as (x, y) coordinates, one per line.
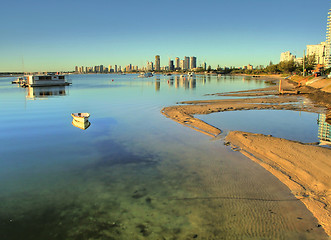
(112, 80)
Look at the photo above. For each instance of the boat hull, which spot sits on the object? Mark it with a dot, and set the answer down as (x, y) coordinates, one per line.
(81, 125)
(80, 117)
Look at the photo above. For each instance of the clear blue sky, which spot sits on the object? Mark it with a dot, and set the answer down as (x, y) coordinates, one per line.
(57, 35)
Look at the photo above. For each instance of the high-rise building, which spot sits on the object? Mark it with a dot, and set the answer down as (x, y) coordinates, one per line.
(150, 66)
(177, 66)
(115, 68)
(318, 51)
(157, 63)
(328, 41)
(286, 56)
(186, 63)
(193, 62)
(204, 66)
(171, 65)
(182, 64)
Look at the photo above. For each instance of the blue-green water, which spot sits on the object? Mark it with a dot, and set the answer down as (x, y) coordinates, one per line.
(133, 174)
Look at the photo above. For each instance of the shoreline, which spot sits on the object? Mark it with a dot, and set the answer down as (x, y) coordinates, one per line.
(304, 168)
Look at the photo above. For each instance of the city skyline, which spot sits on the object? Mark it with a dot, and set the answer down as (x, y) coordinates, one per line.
(223, 33)
(188, 63)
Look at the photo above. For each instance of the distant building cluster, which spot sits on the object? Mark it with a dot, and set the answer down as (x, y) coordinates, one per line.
(188, 63)
(102, 69)
(321, 51)
(248, 67)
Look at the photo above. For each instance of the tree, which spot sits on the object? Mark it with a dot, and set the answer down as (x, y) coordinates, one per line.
(310, 62)
(287, 66)
(272, 69)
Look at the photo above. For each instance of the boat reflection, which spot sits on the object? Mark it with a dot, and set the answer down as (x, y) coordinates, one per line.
(81, 125)
(45, 92)
(324, 130)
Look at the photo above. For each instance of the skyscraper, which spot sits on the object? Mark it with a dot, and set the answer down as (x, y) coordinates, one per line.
(193, 62)
(171, 65)
(150, 66)
(182, 64)
(157, 63)
(177, 66)
(186, 63)
(328, 41)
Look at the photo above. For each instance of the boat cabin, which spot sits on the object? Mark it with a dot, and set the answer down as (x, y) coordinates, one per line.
(46, 80)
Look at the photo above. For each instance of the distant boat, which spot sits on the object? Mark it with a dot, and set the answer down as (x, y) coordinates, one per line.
(80, 117)
(145, 75)
(19, 80)
(190, 74)
(81, 125)
(45, 80)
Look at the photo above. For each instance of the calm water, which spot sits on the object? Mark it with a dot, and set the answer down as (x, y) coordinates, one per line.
(134, 174)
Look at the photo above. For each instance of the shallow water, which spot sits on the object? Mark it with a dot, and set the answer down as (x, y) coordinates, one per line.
(133, 174)
(291, 125)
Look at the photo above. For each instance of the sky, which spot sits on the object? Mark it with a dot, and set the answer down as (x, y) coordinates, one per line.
(57, 35)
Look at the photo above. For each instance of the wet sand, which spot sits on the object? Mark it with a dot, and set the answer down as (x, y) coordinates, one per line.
(304, 169)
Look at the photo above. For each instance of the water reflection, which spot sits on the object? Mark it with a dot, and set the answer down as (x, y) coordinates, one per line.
(82, 125)
(185, 82)
(45, 92)
(157, 84)
(324, 130)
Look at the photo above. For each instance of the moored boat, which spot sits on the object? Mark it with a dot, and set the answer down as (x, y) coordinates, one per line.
(80, 117)
(190, 74)
(145, 75)
(46, 80)
(19, 80)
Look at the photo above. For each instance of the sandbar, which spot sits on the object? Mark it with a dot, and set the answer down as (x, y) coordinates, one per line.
(304, 168)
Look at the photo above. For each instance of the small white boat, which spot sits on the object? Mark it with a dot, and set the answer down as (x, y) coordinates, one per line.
(81, 125)
(190, 74)
(145, 75)
(80, 117)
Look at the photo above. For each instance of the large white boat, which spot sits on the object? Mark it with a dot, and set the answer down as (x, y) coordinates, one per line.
(80, 117)
(46, 80)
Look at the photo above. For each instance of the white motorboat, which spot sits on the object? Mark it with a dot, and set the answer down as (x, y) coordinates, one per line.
(145, 75)
(190, 74)
(19, 80)
(80, 117)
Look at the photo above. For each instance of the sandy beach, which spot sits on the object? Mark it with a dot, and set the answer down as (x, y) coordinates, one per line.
(304, 168)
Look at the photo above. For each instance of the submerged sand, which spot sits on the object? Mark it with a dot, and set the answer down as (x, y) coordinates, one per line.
(304, 169)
